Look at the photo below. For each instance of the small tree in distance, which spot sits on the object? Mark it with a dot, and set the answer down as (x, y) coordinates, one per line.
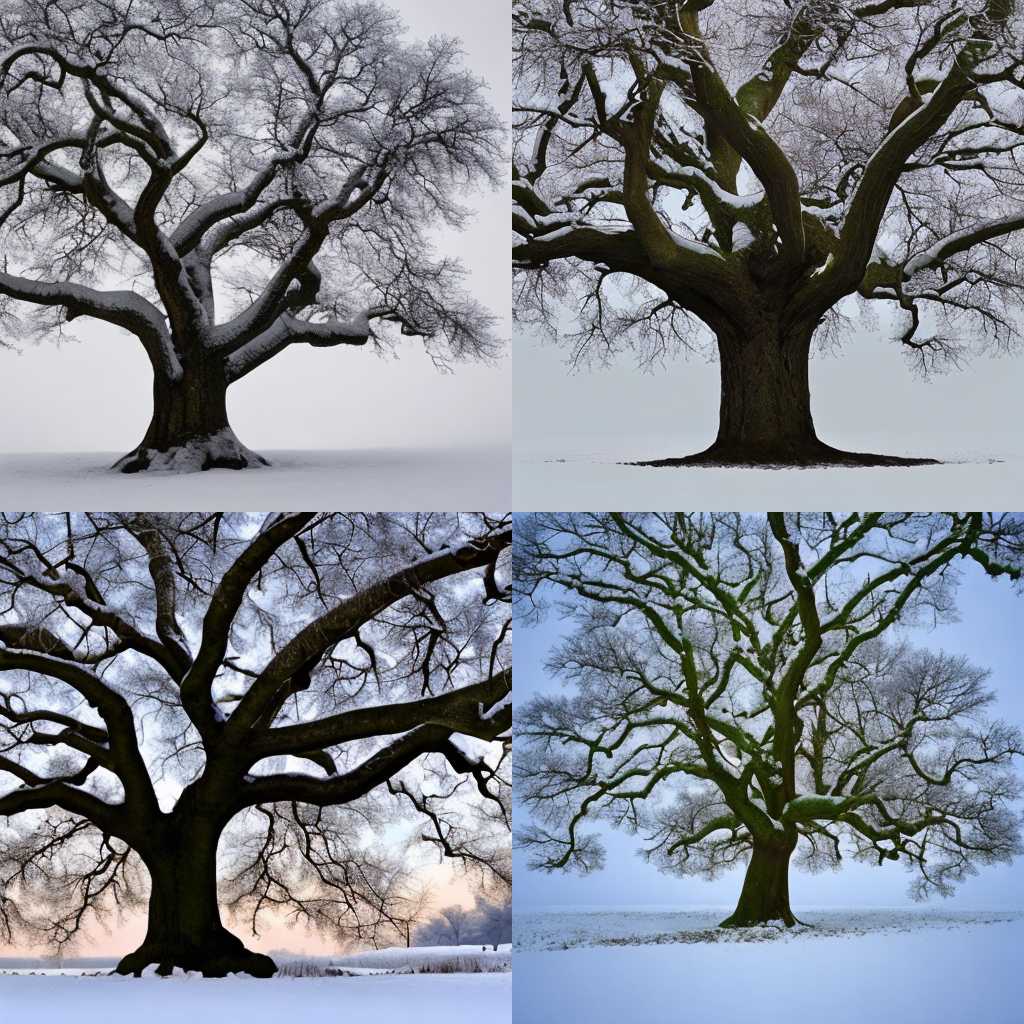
(496, 920)
(225, 179)
(205, 710)
(454, 920)
(743, 690)
(720, 175)
(488, 923)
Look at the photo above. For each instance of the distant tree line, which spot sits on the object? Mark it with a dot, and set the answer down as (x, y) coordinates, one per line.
(488, 923)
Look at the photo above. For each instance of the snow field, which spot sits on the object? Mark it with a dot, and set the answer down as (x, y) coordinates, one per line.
(876, 966)
(569, 929)
(386, 999)
(453, 959)
(358, 480)
(572, 480)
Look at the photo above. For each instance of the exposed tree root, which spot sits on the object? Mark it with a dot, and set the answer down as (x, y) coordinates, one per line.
(802, 455)
(215, 959)
(741, 919)
(217, 451)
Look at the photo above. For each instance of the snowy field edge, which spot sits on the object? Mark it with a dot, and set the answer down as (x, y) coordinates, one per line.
(551, 929)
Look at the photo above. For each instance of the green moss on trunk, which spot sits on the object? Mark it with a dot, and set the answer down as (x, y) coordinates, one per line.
(765, 894)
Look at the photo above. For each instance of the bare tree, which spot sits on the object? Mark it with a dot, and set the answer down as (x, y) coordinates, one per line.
(224, 179)
(495, 920)
(281, 688)
(488, 923)
(412, 912)
(723, 168)
(744, 689)
(454, 921)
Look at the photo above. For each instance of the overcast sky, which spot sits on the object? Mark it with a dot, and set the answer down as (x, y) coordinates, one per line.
(988, 633)
(95, 396)
(864, 397)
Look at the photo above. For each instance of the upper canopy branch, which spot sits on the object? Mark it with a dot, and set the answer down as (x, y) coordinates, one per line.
(371, 773)
(647, 137)
(345, 618)
(315, 131)
(224, 604)
(465, 710)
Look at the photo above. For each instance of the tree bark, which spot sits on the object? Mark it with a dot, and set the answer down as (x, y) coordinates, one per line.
(189, 429)
(765, 894)
(185, 928)
(765, 414)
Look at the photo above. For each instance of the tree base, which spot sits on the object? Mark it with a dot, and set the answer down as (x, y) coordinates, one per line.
(216, 960)
(215, 451)
(764, 899)
(804, 455)
(743, 919)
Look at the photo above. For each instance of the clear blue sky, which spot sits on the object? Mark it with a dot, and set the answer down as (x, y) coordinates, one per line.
(990, 633)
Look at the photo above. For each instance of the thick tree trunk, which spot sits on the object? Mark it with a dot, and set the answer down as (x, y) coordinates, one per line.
(765, 413)
(765, 894)
(185, 928)
(189, 429)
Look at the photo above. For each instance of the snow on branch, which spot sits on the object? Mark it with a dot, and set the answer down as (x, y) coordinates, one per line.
(308, 677)
(746, 683)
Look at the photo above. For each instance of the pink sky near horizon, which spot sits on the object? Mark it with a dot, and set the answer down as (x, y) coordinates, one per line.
(118, 938)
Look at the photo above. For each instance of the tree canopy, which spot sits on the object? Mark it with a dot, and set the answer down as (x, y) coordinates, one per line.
(745, 687)
(730, 169)
(228, 178)
(308, 686)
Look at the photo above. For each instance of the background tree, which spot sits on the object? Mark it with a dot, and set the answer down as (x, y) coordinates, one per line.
(726, 168)
(488, 923)
(495, 920)
(295, 683)
(454, 921)
(227, 178)
(744, 689)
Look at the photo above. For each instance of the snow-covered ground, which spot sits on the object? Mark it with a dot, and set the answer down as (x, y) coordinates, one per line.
(467, 958)
(387, 999)
(358, 480)
(575, 480)
(663, 967)
(569, 929)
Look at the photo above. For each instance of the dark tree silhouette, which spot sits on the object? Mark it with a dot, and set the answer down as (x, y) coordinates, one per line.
(741, 693)
(292, 683)
(224, 179)
(738, 169)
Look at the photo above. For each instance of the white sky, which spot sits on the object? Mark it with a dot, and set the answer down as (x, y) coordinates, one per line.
(95, 396)
(864, 397)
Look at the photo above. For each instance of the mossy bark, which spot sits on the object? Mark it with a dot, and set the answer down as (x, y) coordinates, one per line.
(765, 895)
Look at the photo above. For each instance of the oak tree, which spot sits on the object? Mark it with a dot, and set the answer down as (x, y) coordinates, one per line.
(744, 689)
(207, 710)
(720, 175)
(225, 179)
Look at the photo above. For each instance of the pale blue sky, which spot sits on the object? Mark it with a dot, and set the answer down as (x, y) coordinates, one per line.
(990, 632)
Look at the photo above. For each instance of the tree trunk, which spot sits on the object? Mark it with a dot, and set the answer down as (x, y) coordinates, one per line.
(185, 928)
(765, 413)
(765, 894)
(189, 429)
